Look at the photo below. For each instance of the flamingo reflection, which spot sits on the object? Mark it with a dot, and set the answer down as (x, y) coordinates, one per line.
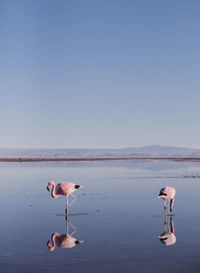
(64, 240)
(168, 237)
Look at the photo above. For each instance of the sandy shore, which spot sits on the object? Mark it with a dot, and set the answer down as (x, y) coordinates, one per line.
(20, 159)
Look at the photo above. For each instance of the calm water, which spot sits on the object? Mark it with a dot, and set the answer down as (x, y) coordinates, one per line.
(117, 217)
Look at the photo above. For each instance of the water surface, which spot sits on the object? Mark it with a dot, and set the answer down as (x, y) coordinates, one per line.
(117, 218)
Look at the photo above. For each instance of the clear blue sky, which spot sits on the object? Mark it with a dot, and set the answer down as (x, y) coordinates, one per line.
(99, 73)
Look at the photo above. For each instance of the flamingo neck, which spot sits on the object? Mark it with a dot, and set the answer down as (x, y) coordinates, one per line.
(53, 238)
(53, 192)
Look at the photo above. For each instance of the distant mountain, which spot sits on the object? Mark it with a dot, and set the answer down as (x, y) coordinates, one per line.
(159, 149)
(146, 151)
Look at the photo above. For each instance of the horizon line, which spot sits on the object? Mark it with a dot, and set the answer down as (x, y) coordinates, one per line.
(119, 148)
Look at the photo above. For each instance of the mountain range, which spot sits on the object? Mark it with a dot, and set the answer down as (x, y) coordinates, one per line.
(145, 151)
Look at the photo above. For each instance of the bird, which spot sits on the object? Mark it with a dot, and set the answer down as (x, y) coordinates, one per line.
(64, 188)
(167, 193)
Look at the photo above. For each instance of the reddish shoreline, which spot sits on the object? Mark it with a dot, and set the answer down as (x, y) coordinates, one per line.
(20, 159)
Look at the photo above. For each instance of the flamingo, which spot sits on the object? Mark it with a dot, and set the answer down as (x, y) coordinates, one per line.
(64, 188)
(167, 193)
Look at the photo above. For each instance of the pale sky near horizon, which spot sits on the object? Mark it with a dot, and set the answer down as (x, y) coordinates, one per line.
(99, 73)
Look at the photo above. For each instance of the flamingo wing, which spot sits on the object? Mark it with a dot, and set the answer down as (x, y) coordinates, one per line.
(66, 188)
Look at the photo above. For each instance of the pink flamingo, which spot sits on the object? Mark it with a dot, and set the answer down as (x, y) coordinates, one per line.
(64, 240)
(167, 193)
(64, 188)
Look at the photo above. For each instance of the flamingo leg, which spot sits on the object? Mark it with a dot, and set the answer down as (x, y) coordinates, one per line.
(74, 199)
(66, 211)
(168, 208)
(165, 205)
(168, 211)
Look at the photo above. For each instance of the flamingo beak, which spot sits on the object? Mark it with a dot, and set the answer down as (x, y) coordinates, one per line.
(48, 188)
(50, 246)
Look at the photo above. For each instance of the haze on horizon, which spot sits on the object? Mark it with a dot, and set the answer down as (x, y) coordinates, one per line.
(99, 74)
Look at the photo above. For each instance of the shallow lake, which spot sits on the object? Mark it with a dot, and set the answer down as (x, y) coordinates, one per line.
(114, 226)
